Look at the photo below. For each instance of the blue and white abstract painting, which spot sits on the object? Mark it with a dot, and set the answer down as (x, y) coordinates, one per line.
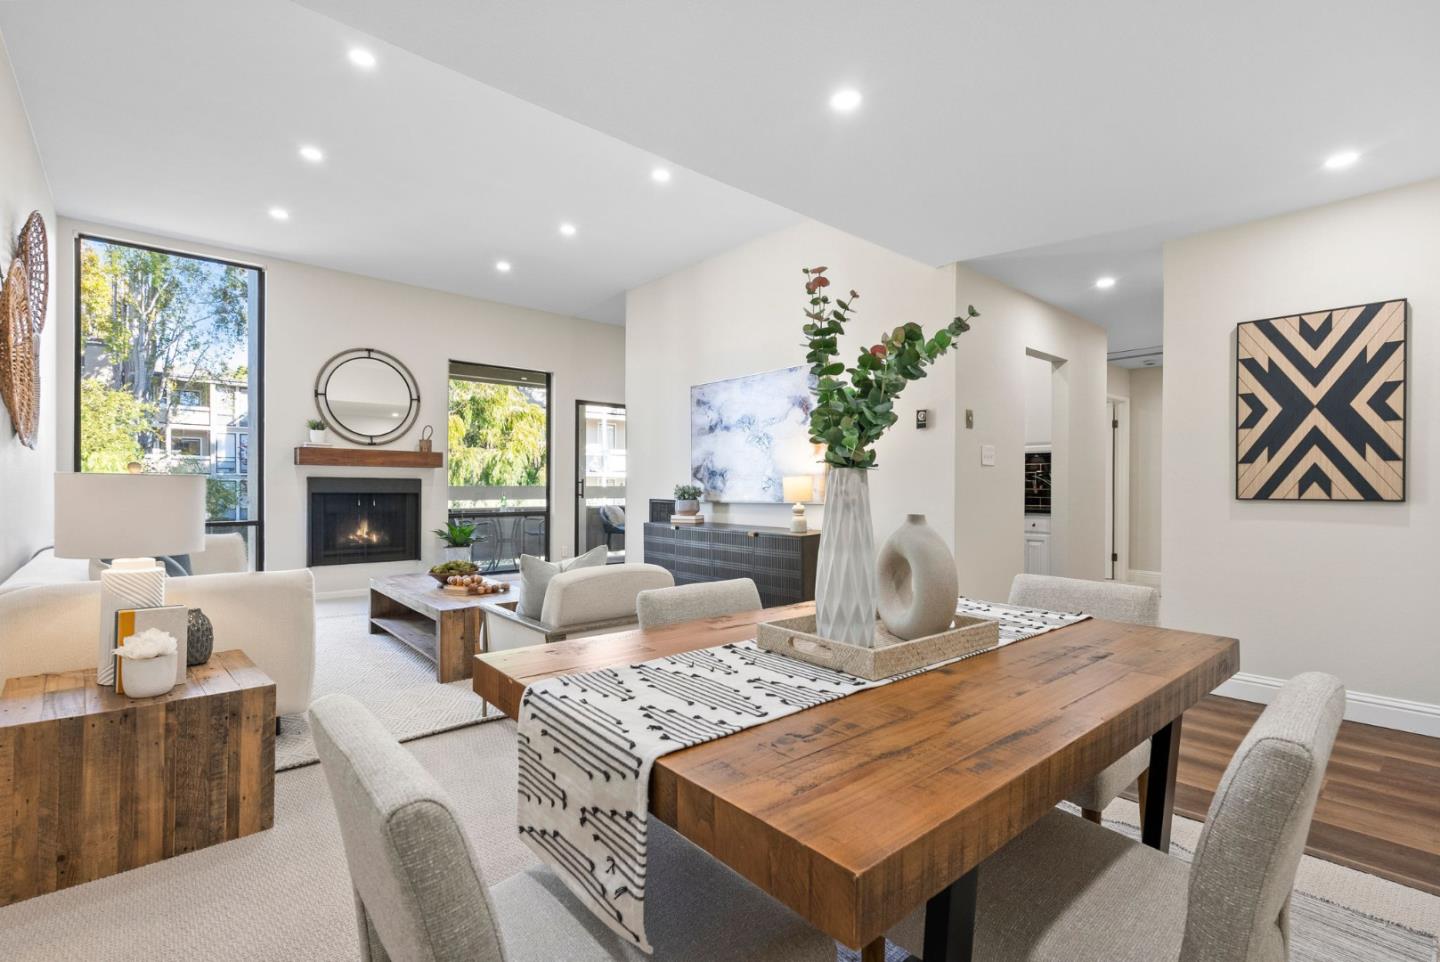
(747, 433)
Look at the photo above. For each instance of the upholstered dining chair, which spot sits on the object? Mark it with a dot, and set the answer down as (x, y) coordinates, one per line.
(1067, 890)
(1113, 601)
(420, 897)
(659, 607)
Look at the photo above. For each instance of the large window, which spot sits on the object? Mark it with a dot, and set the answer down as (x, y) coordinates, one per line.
(499, 460)
(167, 373)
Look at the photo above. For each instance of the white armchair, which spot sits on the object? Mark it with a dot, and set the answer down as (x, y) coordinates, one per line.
(577, 602)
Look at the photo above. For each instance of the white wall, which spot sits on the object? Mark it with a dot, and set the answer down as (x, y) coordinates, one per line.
(741, 313)
(1344, 588)
(1145, 459)
(991, 378)
(313, 313)
(27, 500)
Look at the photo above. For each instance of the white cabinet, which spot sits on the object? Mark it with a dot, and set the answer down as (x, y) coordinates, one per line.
(1037, 545)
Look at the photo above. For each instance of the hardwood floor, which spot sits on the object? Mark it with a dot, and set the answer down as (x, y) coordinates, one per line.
(1379, 808)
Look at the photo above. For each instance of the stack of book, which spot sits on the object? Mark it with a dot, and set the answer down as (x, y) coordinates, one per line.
(687, 519)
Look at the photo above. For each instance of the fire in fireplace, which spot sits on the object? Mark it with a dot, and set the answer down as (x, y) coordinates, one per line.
(363, 520)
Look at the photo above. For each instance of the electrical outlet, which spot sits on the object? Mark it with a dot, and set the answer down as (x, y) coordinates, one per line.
(565, 552)
(987, 455)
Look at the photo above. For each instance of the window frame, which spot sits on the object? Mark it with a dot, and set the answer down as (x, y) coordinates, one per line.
(256, 416)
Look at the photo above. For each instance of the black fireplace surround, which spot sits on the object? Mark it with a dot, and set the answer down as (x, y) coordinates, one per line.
(363, 520)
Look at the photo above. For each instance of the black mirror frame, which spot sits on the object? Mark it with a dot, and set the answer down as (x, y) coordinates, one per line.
(322, 402)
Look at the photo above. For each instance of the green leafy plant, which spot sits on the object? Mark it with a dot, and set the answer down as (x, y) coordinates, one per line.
(456, 535)
(688, 492)
(854, 406)
(315, 424)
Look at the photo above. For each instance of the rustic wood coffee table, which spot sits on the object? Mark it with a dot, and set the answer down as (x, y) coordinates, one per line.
(93, 783)
(443, 626)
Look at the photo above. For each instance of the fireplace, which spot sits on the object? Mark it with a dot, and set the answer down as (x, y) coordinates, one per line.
(363, 520)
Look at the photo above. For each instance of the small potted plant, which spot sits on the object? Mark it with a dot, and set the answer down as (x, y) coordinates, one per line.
(147, 664)
(457, 539)
(687, 498)
(317, 430)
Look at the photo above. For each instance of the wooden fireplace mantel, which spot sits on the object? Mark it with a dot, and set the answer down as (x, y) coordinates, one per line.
(368, 457)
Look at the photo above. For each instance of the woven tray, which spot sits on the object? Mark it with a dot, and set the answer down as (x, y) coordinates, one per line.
(796, 638)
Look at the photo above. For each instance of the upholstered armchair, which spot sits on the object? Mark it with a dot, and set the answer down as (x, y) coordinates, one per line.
(577, 602)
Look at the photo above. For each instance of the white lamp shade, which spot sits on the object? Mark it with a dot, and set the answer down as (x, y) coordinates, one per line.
(128, 515)
(798, 488)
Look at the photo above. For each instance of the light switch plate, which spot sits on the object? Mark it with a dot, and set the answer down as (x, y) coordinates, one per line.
(969, 419)
(987, 455)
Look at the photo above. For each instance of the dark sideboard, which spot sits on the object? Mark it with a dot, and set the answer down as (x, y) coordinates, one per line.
(779, 561)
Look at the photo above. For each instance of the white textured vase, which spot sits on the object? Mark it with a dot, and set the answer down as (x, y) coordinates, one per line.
(918, 582)
(845, 576)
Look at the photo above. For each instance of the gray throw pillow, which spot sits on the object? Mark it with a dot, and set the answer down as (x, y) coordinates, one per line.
(535, 575)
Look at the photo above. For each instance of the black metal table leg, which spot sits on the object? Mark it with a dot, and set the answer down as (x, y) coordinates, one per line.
(950, 922)
(1160, 790)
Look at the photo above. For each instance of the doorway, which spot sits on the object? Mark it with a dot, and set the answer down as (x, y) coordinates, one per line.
(498, 428)
(600, 479)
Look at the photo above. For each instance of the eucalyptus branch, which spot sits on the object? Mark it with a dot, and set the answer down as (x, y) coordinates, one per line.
(848, 418)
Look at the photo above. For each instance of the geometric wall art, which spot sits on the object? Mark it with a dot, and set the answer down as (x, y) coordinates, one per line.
(1320, 405)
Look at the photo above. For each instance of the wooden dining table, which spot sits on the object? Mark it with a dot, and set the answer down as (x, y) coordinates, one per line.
(856, 812)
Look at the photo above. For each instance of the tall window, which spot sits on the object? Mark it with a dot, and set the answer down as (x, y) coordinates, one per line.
(167, 373)
(499, 460)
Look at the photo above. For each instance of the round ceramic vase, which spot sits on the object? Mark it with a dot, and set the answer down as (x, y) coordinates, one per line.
(845, 571)
(687, 506)
(918, 584)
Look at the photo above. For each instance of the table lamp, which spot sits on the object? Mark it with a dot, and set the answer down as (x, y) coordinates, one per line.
(131, 518)
(798, 488)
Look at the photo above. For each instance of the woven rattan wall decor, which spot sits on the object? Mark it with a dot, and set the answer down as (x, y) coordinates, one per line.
(33, 252)
(19, 377)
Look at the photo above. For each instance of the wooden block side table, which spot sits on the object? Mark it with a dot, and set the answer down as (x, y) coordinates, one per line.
(93, 783)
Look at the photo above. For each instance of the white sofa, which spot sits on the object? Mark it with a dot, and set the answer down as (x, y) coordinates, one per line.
(50, 615)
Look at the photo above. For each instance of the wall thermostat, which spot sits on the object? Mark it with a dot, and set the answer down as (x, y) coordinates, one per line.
(922, 418)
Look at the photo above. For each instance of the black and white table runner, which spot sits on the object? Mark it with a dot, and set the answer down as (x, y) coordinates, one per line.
(587, 743)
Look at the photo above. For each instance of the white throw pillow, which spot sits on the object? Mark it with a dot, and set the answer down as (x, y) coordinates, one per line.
(535, 575)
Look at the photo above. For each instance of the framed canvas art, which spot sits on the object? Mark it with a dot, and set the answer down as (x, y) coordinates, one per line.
(1320, 405)
(747, 433)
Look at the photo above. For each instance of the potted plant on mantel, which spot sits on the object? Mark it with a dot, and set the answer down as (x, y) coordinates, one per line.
(687, 499)
(457, 539)
(317, 430)
(854, 406)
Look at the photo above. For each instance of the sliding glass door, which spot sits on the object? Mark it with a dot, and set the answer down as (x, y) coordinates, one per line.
(168, 371)
(499, 461)
(600, 478)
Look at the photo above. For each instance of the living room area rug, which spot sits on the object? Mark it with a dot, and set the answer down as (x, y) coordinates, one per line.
(395, 682)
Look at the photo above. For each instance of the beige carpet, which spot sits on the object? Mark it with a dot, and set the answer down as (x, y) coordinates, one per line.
(389, 678)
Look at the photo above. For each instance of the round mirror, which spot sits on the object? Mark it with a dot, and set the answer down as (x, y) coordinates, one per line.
(367, 396)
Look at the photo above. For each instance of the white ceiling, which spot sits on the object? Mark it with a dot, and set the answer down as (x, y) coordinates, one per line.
(987, 127)
(1044, 142)
(184, 118)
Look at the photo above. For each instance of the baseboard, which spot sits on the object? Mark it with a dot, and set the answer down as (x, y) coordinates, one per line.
(344, 593)
(1139, 577)
(1382, 710)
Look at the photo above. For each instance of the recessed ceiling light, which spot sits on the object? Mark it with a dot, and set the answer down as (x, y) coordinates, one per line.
(313, 154)
(660, 175)
(845, 100)
(362, 58)
(1105, 283)
(279, 213)
(1341, 160)
(568, 230)
(502, 266)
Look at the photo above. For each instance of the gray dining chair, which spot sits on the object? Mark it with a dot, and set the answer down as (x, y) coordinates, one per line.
(420, 897)
(1067, 891)
(659, 607)
(1113, 601)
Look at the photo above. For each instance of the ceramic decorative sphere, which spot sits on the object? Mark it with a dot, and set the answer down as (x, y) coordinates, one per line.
(200, 638)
